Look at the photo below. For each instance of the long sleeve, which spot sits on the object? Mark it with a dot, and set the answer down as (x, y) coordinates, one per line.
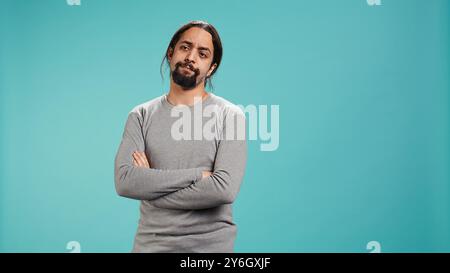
(223, 185)
(145, 183)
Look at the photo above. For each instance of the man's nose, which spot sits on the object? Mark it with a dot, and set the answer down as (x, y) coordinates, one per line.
(189, 57)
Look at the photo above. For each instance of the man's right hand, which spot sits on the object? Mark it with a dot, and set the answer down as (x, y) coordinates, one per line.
(140, 160)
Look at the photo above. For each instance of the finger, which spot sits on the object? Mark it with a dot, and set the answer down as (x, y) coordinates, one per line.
(143, 158)
(135, 163)
(137, 158)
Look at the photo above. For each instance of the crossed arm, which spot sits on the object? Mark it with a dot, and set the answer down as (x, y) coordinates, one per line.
(145, 183)
(188, 189)
(140, 160)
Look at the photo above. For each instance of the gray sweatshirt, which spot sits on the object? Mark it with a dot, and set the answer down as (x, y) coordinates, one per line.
(180, 211)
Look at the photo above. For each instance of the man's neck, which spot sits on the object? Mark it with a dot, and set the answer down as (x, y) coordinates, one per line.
(178, 96)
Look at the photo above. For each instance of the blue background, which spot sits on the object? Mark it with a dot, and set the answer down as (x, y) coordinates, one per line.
(364, 119)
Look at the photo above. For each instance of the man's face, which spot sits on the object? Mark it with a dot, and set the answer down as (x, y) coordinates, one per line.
(190, 60)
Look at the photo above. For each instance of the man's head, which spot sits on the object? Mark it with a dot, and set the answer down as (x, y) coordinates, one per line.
(194, 54)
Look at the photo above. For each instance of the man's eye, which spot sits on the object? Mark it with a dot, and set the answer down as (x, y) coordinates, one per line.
(203, 55)
(184, 47)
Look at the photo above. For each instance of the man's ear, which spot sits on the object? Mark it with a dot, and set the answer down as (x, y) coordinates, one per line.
(169, 53)
(211, 70)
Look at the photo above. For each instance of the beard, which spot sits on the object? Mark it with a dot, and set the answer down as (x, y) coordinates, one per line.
(187, 82)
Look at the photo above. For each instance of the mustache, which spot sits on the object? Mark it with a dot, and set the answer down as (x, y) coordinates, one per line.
(187, 65)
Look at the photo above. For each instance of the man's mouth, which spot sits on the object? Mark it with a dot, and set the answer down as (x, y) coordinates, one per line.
(188, 66)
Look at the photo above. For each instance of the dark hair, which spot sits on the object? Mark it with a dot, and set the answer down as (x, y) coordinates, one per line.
(217, 56)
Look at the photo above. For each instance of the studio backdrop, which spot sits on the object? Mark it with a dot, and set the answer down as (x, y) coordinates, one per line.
(349, 151)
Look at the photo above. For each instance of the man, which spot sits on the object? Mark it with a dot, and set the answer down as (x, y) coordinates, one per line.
(186, 185)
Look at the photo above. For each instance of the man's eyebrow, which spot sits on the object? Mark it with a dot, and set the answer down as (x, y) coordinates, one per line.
(204, 48)
(199, 48)
(186, 42)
